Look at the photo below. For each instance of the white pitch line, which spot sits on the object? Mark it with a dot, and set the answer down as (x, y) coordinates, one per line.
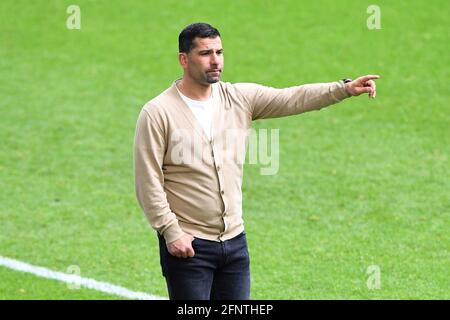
(76, 280)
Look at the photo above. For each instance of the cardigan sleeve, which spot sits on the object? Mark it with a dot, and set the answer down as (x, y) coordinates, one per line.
(149, 150)
(267, 102)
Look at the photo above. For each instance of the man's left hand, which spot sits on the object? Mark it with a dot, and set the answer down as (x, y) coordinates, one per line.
(364, 84)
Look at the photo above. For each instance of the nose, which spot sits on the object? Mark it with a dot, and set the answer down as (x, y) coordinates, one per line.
(215, 59)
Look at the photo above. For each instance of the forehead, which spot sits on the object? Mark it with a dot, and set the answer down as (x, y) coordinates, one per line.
(207, 43)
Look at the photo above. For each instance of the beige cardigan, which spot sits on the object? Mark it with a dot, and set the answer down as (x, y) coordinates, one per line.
(185, 183)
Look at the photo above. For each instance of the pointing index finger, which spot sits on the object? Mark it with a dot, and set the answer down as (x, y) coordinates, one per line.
(369, 77)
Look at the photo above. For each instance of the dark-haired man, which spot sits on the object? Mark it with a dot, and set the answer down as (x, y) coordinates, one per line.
(188, 181)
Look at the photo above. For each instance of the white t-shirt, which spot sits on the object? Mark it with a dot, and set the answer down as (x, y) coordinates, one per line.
(203, 111)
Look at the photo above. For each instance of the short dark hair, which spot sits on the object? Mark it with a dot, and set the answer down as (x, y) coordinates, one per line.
(201, 30)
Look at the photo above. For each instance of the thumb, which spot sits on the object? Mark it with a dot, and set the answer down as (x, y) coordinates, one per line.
(190, 252)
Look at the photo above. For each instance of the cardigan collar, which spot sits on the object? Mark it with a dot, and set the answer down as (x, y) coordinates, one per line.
(190, 117)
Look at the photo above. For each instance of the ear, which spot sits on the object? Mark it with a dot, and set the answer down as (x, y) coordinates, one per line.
(182, 58)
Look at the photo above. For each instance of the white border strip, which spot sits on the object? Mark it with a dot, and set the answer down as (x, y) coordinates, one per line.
(76, 280)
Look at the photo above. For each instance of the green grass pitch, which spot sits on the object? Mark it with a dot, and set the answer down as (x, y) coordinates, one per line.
(362, 183)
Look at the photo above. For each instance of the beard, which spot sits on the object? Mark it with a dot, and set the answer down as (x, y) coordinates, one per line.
(205, 77)
(212, 78)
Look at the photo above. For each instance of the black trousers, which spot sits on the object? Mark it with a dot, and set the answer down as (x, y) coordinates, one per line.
(218, 271)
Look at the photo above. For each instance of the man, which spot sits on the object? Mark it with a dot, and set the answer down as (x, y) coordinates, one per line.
(188, 177)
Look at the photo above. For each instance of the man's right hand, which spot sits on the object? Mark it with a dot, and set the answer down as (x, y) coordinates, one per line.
(182, 248)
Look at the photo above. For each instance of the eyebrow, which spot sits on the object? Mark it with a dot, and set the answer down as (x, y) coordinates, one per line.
(209, 50)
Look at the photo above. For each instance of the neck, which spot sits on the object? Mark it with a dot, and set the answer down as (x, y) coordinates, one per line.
(194, 90)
